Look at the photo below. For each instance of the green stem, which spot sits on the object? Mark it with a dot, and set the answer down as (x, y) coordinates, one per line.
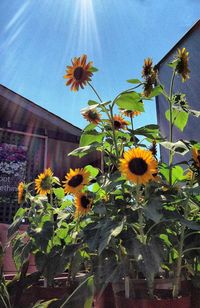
(113, 131)
(126, 91)
(141, 227)
(190, 249)
(153, 226)
(177, 279)
(191, 233)
(52, 217)
(110, 116)
(133, 131)
(95, 92)
(140, 216)
(171, 127)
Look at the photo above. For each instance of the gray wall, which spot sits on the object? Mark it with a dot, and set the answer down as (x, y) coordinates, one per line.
(191, 88)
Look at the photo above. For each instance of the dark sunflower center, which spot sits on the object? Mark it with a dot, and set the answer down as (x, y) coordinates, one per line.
(78, 73)
(92, 115)
(117, 124)
(138, 166)
(75, 180)
(85, 202)
(46, 183)
(181, 66)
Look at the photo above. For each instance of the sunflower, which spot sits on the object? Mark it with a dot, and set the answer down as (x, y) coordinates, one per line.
(43, 183)
(21, 192)
(196, 156)
(148, 87)
(149, 73)
(92, 116)
(190, 175)
(83, 204)
(79, 73)
(75, 180)
(138, 166)
(130, 113)
(119, 122)
(182, 64)
(153, 148)
(147, 67)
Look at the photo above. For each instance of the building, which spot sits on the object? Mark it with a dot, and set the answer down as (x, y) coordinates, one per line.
(32, 139)
(191, 41)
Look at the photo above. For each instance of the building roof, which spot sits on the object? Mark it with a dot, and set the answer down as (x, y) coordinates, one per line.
(188, 33)
(39, 115)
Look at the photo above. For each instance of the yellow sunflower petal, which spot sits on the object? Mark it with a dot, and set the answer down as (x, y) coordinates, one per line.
(75, 180)
(43, 183)
(79, 73)
(83, 204)
(138, 166)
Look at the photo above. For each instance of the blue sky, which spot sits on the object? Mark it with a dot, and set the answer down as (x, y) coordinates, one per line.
(38, 38)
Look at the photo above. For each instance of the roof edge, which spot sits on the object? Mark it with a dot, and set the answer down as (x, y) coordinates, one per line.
(34, 105)
(195, 25)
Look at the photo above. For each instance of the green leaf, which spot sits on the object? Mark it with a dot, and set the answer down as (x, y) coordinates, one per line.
(178, 147)
(156, 91)
(149, 131)
(130, 101)
(91, 102)
(20, 213)
(82, 296)
(89, 127)
(42, 304)
(62, 233)
(195, 113)
(166, 240)
(82, 151)
(42, 235)
(91, 137)
(92, 170)
(118, 229)
(109, 229)
(179, 118)
(177, 173)
(59, 193)
(134, 81)
(174, 63)
(14, 227)
(93, 69)
(153, 210)
(91, 107)
(21, 251)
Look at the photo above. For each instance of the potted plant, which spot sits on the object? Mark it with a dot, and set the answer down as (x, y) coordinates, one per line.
(143, 209)
(51, 236)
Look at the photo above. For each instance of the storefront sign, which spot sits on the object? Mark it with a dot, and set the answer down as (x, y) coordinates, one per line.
(13, 162)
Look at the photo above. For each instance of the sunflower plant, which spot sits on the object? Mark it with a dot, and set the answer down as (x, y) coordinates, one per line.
(52, 233)
(139, 210)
